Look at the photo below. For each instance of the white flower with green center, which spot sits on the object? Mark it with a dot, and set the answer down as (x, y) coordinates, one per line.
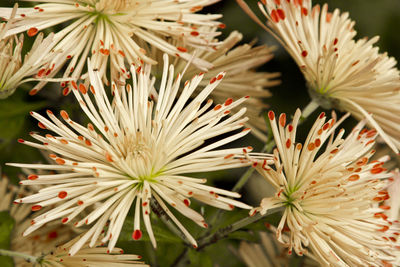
(13, 70)
(239, 62)
(331, 196)
(133, 150)
(113, 33)
(342, 73)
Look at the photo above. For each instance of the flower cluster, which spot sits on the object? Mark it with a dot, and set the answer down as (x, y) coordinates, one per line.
(341, 72)
(160, 103)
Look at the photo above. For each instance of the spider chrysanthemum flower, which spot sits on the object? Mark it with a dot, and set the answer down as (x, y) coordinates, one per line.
(343, 73)
(14, 68)
(44, 240)
(239, 62)
(89, 256)
(331, 196)
(114, 31)
(133, 150)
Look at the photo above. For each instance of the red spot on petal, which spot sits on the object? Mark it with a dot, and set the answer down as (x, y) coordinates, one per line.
(228, 101)
(60, 161)
(274, 16)
(181, 49)
(271, 115)
(304, 53)
(33, 177)
(64, 114)
(36, 207)
(186, 202)
(32, 31)
(62, 194)
(354, 177)
(137, 234)
(282, 119)
(288, 143)
(41, 125)
(33, 92)
(281, 13)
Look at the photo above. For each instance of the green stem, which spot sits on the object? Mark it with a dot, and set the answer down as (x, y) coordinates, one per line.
(223, 232)
(308, 110)
(26, 257)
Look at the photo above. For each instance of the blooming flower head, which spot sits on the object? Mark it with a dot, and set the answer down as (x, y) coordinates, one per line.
(114, 32)
(89, 256)
(340, 72)
(13, 70)
(241, 79)
(331, 196)
(44, 240)
(133, 150)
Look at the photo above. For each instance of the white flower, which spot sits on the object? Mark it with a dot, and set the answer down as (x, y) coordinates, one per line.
(13, 70)
(341, 73)
(44, 240)
(89, 256)
(114, 32)
(241, 79)
(133, 150)
(331, 196)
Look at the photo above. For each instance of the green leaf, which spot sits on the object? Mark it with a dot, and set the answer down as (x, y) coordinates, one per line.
(199, 259)
(6, 227)
(13, 113)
